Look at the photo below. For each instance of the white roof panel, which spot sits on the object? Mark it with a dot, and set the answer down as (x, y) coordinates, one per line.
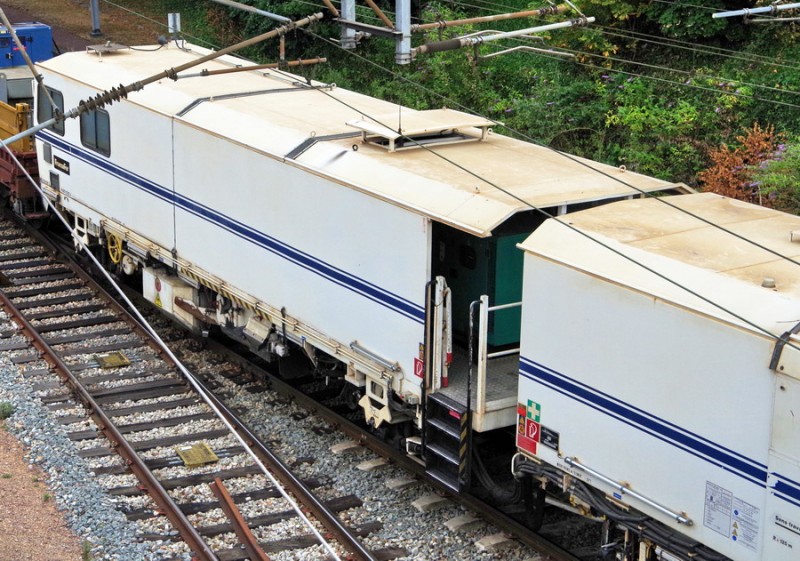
(724, 271)
(473, 186)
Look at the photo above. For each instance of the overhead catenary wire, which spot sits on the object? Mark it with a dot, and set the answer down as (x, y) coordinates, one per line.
(151, 331)
(706, 50)
(782, 338)
(122, 91)
(452, 103)
(542, 211)
(711, 50)
(586, 164)
(690, 74)
(685, 84)
(566, 224)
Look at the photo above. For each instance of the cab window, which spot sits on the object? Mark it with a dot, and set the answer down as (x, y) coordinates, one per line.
(96, 132)
(47, 111)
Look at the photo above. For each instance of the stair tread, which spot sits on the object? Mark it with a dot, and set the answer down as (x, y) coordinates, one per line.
(448, 402)
(443, 452)
(449, 482)
(446, 428)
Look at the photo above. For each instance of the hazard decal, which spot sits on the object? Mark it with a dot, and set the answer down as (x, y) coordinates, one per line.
(419, 368)
(528, 428)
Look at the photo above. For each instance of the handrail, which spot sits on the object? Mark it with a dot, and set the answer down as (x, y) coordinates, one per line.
(483, 345)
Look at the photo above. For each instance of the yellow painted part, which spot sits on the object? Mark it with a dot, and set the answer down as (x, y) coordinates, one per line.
(14, 120)
(112, 360)
(114, 246)
(196, 455)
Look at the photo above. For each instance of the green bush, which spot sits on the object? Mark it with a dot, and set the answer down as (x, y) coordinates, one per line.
(778, 179)
(6, 410)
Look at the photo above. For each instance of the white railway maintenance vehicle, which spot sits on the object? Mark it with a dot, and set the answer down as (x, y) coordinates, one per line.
(386, 245)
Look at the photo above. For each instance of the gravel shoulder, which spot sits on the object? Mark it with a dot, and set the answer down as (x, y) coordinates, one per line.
(31, 527)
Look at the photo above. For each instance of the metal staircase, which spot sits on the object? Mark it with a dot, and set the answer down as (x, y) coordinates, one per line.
(447, 431)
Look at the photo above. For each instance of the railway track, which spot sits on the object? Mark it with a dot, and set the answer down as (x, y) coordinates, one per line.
(564, 538)
(155, 411)
(166, 453)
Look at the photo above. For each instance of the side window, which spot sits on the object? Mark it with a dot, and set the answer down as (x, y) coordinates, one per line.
(95, 131)
(47, 111)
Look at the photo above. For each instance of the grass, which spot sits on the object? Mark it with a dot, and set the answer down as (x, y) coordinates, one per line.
(6, 410)
(47, 497)
(6, 476)
(86, 551)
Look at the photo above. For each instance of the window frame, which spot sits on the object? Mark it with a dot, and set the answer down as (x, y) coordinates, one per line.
(94, 135)
(45, 110)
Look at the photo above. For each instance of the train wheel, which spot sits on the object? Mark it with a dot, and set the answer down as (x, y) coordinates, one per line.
(114, 247)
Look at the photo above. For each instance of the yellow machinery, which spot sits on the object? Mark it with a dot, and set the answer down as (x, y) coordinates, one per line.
(14, 181)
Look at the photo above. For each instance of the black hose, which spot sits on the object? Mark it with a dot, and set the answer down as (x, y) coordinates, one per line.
(498, 494)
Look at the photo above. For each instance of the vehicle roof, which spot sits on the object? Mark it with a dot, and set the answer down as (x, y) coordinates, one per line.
(694, 253)
(504, 175)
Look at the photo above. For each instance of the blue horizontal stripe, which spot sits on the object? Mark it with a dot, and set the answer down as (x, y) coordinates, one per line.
(310, 263)
(667, 432)
(788, 490)
(785, 488)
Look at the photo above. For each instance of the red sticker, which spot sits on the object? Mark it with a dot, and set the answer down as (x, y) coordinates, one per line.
(419, 368)
(527, 434)
(532, 430)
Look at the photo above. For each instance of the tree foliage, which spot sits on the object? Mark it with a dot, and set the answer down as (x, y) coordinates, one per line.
(660, 87)
(778, 178)
(733, 168)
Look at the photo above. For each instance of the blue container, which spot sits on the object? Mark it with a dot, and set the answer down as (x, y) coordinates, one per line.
(37, 38)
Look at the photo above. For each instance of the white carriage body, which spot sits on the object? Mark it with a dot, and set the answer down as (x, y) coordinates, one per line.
(654, 395)
(255, 180)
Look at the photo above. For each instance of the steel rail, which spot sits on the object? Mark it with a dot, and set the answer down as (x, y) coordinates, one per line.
(118, 442)
(500, 519)
(336, 529)
(326, 517)
(240, 527)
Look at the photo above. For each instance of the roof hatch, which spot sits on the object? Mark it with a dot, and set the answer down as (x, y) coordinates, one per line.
(421, 128)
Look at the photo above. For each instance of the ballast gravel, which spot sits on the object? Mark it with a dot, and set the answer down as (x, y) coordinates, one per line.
(92, 514)
(89, 511)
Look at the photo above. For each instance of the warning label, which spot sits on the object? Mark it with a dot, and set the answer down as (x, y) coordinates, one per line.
(528, 427)
(419, 368)
(532, 430)
(730, 516)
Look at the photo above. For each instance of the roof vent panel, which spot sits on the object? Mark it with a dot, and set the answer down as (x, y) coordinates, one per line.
(413, 129)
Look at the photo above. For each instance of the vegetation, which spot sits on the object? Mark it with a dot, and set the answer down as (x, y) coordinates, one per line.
(86, 550)
(733, 169)
(660, 87)
(778, 178)
(6, 410)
